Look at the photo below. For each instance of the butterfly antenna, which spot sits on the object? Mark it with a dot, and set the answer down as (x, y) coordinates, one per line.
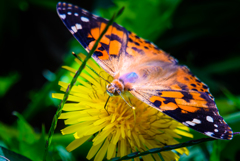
(101, 77)
(89, 67)
(106, 104)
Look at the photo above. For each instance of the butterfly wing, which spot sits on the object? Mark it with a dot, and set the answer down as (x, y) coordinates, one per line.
(182, 96)
(157, 79)
(86, 28)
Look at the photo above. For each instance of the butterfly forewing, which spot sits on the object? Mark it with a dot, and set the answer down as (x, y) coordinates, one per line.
(86, 28)
(149, 73)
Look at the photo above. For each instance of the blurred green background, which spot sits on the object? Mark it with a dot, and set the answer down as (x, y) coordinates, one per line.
(34, 43)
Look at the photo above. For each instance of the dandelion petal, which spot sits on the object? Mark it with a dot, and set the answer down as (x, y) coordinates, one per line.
(76, 143)
(111, 151)
(101, 153)
(93, 151)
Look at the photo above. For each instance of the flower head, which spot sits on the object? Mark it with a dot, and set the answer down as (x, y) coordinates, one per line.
(119, 129)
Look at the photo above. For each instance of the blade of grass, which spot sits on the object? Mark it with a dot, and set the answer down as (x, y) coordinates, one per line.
(231, 97)
(59, 111)
(166, 148)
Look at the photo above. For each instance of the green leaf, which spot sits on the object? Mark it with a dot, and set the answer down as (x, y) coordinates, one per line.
(223, 66)
(235, 100)
(30, 145)
(26, 133)
(7, 82)
(218, 146)
(7, 155)
(222, 104)
(230, 152)
(64, 154)
(8, 135)
(226, 150)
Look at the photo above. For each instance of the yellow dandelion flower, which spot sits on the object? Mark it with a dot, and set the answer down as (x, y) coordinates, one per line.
(118, 129)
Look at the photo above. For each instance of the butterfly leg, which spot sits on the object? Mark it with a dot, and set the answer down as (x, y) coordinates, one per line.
(106, 104)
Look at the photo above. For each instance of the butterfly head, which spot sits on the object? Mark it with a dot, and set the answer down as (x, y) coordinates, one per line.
(115, 88)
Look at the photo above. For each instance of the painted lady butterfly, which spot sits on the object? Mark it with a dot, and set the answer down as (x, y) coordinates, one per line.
(147, 72)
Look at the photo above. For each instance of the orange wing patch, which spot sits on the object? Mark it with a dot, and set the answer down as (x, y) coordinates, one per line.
(172, 94)
(171, 100)
(115, 47)
(186, 109)
(138, 46)
(185, 77)
(95, 33)
(160, 102)
(110, 46)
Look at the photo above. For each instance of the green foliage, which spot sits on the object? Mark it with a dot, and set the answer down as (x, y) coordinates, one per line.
(7, 82)
(148, 19)
(230, 150)
(226, 150)
(25, 143)
(174, 25)
(23, 139)
(28, 139)
(8, 155)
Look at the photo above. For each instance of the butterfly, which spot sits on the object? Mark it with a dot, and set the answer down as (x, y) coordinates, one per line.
(147, 72)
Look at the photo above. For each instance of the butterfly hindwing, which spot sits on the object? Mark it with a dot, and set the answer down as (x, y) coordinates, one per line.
(86, 28)
(188, 101)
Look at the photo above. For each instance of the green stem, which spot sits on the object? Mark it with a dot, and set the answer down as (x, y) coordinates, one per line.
(166, 148)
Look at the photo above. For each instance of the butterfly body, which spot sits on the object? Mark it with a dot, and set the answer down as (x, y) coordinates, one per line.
(147, 72)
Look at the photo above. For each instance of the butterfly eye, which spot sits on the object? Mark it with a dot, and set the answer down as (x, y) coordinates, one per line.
(112, 90)
(109, 85)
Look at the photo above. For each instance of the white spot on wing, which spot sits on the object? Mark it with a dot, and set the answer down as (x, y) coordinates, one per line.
(84, 19)
(209, 119)
(196, 121)
(216, 130)
(190, 123)
(193, 122)
(69, 13)
(75, 14)
(78, 26)
(74, 29)
(209, 133)
(215, 125)
(62, 16)
(71, 31)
